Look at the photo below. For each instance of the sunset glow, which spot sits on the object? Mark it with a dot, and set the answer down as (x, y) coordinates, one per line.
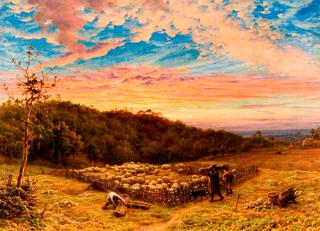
(239, 65)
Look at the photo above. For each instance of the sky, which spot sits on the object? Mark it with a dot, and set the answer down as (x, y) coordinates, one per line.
(223, 64)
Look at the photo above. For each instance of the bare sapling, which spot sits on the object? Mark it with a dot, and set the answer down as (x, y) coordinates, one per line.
(34, 84)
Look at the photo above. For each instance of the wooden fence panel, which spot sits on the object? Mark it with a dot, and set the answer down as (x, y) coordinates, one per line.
(156, 196)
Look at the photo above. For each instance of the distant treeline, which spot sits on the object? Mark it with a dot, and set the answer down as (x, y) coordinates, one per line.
(67, 133)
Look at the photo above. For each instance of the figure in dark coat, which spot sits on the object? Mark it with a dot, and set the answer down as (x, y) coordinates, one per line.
(214, 181)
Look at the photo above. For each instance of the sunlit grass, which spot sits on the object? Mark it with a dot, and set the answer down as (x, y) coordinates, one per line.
(220, 215)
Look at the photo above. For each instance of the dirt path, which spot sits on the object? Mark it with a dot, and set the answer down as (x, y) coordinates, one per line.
(179, 214)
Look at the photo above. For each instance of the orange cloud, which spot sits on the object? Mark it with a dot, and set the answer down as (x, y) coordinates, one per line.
(223, 101)
(148, 86)
(263, 105)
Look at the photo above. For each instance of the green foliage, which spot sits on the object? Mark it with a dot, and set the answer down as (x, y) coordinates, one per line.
(315, 134)
(11, 124)
(257, 141)
(11, 205)
(64, 132)
(18, 203)
(199, 221)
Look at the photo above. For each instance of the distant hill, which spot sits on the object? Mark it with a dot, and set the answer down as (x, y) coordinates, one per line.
(67, 133)
(280, 135)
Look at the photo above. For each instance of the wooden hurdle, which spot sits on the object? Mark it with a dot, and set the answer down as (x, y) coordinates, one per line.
(156, 196)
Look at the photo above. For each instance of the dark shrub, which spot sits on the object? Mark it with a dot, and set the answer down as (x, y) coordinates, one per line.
(18, 203)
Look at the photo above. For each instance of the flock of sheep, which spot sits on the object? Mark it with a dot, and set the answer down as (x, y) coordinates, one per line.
(167, 184)
(136, 176)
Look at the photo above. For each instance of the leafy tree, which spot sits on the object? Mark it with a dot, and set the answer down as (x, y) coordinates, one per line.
(67, 143)
(94, 152)
(64, 131)
(315, 134)
(257, 135)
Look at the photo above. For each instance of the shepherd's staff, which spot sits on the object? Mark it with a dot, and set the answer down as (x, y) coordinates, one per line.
(238, 197)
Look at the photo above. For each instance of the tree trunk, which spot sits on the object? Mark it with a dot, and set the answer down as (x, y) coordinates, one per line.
(56, 157)
(26, 144)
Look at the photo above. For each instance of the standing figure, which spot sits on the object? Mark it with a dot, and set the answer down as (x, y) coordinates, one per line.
(214, 183)
(114, 199)
(228, 179)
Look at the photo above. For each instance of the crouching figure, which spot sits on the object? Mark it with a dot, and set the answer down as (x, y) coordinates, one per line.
(114, 199)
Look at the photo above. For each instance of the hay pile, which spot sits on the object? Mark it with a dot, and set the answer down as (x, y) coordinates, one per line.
(259, 205)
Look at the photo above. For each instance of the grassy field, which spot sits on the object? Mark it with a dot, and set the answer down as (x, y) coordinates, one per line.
(85, 212)
(307, 160)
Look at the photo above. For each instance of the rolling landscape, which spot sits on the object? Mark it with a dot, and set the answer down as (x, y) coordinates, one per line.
(159, 115)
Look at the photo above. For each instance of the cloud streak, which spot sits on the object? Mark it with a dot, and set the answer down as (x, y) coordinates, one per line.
(97, 51)
(150, 85)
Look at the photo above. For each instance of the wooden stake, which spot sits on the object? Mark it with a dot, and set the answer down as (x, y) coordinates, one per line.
(238, 197)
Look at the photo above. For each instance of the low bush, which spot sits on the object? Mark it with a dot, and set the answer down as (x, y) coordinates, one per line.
(18, 204)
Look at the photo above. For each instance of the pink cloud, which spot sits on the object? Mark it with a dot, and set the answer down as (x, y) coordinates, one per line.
(97, 51)
(154, 4)
(99, 4)
(66, 16)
